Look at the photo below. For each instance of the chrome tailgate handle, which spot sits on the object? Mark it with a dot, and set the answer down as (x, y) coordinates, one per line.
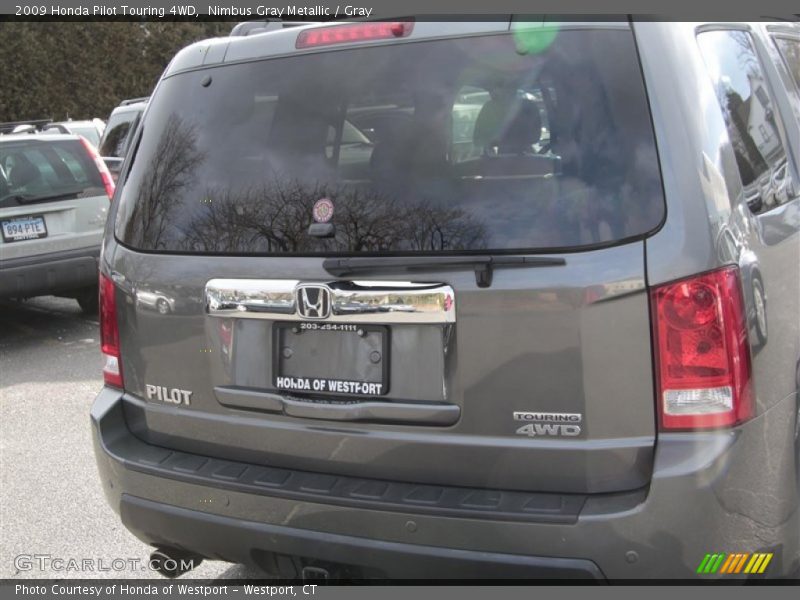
(337, 301)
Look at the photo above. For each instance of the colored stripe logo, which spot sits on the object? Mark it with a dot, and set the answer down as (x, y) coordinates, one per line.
(735, 563)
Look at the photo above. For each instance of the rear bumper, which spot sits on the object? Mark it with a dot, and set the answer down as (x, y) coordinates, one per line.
(244, 541)
(695, 505)
(49, 273)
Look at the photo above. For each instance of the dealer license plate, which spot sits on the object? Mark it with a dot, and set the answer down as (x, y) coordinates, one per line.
(342, 359)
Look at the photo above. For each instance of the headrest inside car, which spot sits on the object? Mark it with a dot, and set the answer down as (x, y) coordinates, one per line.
(508, 126)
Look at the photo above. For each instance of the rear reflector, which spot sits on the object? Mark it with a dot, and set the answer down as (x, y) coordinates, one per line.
(109, 333)
(353, 32)
(702, 352)
(105, 174)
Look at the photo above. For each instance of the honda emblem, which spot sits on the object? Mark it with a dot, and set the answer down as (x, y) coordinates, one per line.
(313, 301)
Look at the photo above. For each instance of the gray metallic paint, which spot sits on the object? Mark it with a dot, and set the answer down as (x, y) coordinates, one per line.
(716, 491)
(490, 356)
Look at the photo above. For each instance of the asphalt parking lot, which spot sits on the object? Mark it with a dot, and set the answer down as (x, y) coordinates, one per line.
(51, 503)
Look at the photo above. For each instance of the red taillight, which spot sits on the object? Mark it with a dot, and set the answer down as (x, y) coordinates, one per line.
(109, 333)
(105, 174)
(702, 352)
(353, 32)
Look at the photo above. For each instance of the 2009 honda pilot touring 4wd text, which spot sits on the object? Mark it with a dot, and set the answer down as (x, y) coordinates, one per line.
(507, 299)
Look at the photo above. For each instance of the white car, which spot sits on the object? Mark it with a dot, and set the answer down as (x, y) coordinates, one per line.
(92, 130)
(54, 197)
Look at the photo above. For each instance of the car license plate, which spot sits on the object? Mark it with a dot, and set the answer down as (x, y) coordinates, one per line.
(341, 359)
(23, 228)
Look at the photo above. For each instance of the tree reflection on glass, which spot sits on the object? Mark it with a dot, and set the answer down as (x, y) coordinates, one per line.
(170, 171)
(274, 218)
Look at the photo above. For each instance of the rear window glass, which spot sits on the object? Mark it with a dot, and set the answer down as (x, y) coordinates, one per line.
(90, 133)
(114, 143)
(501, 143)
(37, 170)
(87, 131)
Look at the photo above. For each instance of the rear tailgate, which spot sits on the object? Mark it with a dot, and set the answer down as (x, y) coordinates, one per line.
(571, 340)
(455, 296)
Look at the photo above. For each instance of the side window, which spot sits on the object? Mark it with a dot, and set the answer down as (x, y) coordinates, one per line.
(469, 102)
(790, 52)
(750, 115)
(350, 135)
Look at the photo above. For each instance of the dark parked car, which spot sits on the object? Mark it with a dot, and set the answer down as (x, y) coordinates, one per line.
(119, 132)
(529, 325)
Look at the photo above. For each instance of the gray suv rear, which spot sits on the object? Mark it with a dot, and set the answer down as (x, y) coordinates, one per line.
(461, 300)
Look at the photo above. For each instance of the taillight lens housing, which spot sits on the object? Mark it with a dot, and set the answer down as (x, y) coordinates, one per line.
(702, 353)
(109, 333)
(353, 32)
(105, 174)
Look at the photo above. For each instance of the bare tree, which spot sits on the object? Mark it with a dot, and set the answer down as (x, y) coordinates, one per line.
(164, 181)
(274, 218)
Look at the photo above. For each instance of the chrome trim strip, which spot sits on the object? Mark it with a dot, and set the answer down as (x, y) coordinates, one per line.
(375, 412)
(383, 302)
(369, 411)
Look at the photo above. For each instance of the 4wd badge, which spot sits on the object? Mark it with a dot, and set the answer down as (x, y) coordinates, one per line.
(549, 424)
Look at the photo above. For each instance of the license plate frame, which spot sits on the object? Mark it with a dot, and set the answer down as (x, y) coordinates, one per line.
(328, 341)
(9, 237)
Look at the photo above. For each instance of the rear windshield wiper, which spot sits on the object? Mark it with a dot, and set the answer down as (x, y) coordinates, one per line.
(483, 265)
(25, 199)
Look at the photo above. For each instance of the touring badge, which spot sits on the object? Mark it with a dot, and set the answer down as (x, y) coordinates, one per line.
(549, 424)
